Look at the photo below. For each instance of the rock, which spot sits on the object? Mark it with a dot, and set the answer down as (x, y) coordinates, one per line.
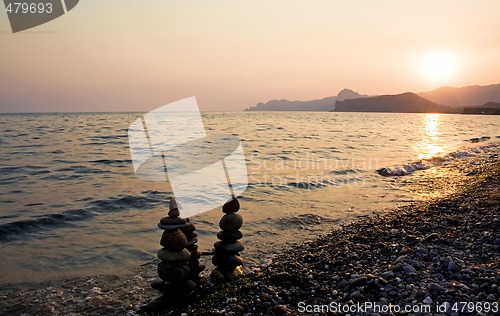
(229, 247)
(187, 229)
(342, 284)
(452, 266)
(217, 276)
(225, 262)
(170, 227)
(357, 282)
(172, 221)
(160, 285)
(436, 287)
(408, 268)
(491, 298)
(280, 277)
(401, 259)
(427, 300)
(187, 287)
(431, 237)
(172, 272)
(167, 255)
(174, 213)
(232, 206)
(388, 274)
(191, 242)
(231, 222)
(173, 240)
(229, 236)
(238, 309)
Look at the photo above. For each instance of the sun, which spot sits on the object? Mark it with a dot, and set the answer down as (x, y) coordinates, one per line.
(438, 66)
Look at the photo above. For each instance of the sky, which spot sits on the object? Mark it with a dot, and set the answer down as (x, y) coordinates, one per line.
(124, 55)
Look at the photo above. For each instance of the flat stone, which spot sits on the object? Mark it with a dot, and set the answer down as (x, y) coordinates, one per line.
(169, 256)
(173, 221)
(173, 240)
(229, 236)
(170, 227)
(231, 222)
(227, 263)
(229, 247)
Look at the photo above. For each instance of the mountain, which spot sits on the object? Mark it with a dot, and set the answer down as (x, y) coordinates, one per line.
(346, 94)
(463, 97)
(400, 103)
(325, 104)
(487, 108)
(443, 100)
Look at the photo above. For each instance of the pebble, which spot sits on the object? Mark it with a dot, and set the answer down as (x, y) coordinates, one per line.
(231, 222)
(408, 268)
(436, 287)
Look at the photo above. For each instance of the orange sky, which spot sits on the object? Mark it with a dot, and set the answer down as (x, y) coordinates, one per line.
(123, 55)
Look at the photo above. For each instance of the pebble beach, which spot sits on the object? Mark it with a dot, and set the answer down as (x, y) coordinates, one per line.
(439, 257)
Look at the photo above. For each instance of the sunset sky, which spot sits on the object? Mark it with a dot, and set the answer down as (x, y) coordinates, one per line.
(123, 55)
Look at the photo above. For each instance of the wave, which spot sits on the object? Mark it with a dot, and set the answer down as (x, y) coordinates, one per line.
(402, 170)
(147, 200)
(406, 169)
(10, 230)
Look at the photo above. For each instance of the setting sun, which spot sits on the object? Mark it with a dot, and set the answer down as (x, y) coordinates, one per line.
(438, 66)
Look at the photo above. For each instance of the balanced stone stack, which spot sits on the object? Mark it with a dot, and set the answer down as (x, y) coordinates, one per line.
(194, 260)
(174, 269)
(227, 251)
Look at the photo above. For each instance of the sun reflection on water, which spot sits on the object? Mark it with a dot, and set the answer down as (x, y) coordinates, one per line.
(429, 146)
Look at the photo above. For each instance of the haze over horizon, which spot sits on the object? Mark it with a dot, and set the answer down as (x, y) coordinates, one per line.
(136, 56)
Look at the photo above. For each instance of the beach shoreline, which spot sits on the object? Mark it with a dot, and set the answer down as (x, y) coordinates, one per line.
(423, 253)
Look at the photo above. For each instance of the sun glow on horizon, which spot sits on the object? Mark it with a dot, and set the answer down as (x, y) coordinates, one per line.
(438, 66)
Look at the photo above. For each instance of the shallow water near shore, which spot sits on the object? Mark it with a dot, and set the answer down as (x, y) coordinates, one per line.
(72, 206)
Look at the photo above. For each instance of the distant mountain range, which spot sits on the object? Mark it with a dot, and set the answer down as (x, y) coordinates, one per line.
(470, 100)
(400, 103)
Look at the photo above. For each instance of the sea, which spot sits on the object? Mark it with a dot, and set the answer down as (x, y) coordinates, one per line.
(71, 204)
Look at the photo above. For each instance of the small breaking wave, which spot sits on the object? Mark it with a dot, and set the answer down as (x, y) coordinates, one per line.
(406, 169)
(402, 170)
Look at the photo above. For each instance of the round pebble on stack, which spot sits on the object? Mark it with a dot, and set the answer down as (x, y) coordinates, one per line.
(227, 251)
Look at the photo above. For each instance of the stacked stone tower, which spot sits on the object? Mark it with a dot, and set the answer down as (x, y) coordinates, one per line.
(174, 270)
(227, 251)
(194, 260)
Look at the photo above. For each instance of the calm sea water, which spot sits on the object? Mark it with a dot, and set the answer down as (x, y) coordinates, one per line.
(71, 205)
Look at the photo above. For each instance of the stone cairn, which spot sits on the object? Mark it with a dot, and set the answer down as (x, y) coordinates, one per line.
(227, 251)
(195, 267)
(179, 267)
